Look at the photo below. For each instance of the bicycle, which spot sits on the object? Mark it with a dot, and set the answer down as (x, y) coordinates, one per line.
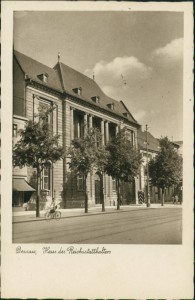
(53, 214)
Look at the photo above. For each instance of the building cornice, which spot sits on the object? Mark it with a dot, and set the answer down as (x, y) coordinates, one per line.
(149, 150)
(83, 102)
(20, 118)
(100, 109)
(41, 87)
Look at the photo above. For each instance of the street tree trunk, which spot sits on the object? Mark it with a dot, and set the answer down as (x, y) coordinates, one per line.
(163, 196)
(38, 193)
(118, 193)
(86, 195)
(159, 198)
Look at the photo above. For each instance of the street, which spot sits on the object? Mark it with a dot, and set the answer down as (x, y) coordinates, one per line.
(149, 226)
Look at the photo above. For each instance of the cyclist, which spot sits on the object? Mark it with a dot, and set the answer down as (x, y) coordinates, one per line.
(53, 206)
(52, 212)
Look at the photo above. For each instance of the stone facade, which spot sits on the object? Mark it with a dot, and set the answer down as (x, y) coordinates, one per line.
(73, 111)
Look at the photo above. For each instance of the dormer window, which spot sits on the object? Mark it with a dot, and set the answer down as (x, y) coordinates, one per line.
(126, 114)
(111, 106)
(78, 91)
(43, 77)
(96, 99)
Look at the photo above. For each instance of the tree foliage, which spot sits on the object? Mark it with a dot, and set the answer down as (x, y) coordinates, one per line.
(38, 147)
(165, 169)
(87, 154)
(124, 160)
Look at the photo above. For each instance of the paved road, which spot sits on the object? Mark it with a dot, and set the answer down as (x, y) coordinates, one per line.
(151, 226)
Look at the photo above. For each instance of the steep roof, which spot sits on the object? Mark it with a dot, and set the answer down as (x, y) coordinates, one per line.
(33, 69)
(153, 143)
(180, 143)
(73, 79)
(63, 78)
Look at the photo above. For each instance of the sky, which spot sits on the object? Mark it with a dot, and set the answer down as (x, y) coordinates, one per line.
(136, 57)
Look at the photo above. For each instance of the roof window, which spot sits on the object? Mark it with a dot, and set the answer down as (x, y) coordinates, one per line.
(77, 91)
(96, 99)
(111, 106)
(43, 77)
(126, 114)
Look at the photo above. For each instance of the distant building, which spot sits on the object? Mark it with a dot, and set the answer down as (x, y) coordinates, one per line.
(153, 149)
(78, 101)
(180, 148)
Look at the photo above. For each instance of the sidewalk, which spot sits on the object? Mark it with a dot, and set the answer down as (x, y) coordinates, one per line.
(30, 216)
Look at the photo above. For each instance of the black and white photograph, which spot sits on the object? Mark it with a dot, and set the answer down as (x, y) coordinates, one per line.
(99, 116)
(101, 123)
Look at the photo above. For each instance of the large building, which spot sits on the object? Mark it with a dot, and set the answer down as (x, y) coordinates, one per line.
(77, 101)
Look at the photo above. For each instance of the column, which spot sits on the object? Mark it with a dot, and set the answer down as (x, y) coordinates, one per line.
(117, 129)
(103, 175)
(135, 138)
(110, 191)
(85, 123)
(121, 124)
(90, 121)
(102, 131)
(78, 129)
(107, 131)
(71, 123)
(136, 189)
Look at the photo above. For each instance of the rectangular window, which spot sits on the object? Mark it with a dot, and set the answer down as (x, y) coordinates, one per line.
(55, 120)
(132, 138)
(45, 179)
(80, 183)
(43, 104)
(114, 184)
(15, 130)
(78, 125)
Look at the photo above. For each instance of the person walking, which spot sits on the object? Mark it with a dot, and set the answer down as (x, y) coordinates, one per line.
(176, 198)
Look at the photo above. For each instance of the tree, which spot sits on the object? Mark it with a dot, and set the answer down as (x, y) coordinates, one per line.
(101, 163)
(87, 153)
(165, 169)
(123, 161)
(37, 148)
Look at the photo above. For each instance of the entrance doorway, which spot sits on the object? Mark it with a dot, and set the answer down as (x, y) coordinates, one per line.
(127, 191)
(98, 188)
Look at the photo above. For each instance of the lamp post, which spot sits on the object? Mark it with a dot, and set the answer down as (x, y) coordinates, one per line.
(148, 188)
(103, 199)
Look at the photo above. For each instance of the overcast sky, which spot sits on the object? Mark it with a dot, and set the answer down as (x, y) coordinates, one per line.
(136, 57)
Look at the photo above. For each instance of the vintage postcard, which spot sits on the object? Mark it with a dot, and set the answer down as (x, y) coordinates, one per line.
(97, 150)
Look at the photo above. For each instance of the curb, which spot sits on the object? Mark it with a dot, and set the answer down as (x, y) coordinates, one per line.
(84, 215)
(91, 214)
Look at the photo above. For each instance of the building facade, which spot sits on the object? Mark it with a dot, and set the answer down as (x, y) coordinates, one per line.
(151, 151)
(78, 102)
